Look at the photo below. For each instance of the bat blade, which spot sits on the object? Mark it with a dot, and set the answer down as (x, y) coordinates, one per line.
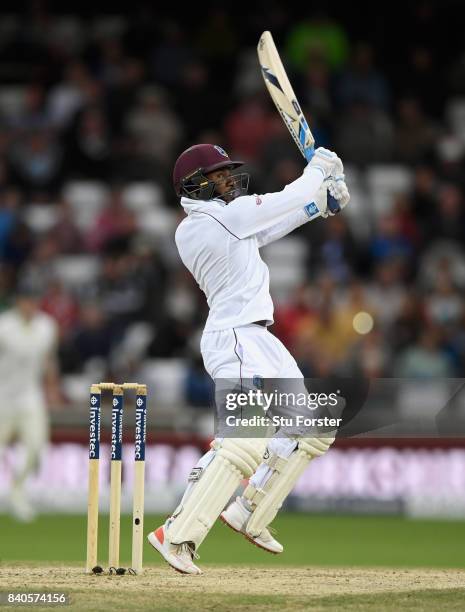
(282, 94)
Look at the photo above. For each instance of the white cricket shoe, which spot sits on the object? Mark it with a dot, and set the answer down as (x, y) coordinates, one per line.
(179, 556)
(236, 516)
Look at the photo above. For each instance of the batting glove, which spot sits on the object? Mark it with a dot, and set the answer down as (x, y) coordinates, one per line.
(326, 161)
(338, 189)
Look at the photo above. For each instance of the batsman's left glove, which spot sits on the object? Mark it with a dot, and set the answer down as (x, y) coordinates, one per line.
(338, 189)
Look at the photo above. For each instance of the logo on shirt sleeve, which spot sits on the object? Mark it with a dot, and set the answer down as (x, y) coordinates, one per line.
(258, 200)
(311, 209)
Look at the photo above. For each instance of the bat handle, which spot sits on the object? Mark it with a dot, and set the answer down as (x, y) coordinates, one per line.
(333, 204)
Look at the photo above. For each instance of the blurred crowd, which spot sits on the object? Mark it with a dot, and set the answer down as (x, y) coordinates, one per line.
(94, 111)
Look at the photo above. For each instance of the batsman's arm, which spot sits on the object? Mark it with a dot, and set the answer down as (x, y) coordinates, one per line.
(295, 220)
(248, 215)
(281, 229)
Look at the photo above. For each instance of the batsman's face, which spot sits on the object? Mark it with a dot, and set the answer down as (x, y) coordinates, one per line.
(223, 180)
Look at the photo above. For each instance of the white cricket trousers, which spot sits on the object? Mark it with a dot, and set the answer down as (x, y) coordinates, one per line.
(247, 351)
(242, 353)
(25, 418)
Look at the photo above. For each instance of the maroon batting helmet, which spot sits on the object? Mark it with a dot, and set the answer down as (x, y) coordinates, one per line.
(193, 164)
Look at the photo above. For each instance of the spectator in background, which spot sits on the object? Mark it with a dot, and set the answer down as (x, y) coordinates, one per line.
(89, 151)
(450, 156)
(444, 304)
(283, 172)
(10, 201)
(91, 337)
(317, 98)
(120, 290)
(352, 301)
(60, 304)
(332, 331)
(423, 198)
(277, 150)
(362, 83)
(364, 131)
(41, 268)
(408, 224)
(335, 251)
(322, 34)
(374, 355)
(424, 359)
(321, 339)
(369, 357)
(416, 77)
(449, 223)
(291, 315)
(386, 293)
(114, 222)
(247, 127)
(218, 50)
(171, 338)
(316, 347)
(110, 59)
(70, 95)
(389, 242)
(442, 258)
(198, 104)
(408, 324)
(415, 134)
(364, 134)
(122, 93)
(37, 164)
(18, 246)
(198, 386)
(154, 128)
(170, 53)
(65, 230)
(32, 115)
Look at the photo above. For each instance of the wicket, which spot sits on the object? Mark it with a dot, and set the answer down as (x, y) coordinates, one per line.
(115, 476)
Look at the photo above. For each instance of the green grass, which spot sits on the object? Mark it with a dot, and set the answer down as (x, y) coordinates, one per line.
(427, 600)
(308, 539)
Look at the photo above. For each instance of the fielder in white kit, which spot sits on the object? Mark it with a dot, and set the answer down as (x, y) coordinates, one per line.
(28, 341)
(219, 243)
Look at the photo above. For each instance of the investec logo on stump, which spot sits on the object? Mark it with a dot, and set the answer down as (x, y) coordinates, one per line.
(140, 430)
(94, 428)
(116, 428)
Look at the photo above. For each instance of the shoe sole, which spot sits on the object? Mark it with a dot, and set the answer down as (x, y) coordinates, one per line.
(248, 538)
(153, 542)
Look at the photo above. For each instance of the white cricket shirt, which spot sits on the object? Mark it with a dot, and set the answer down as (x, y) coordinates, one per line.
(24, 348)
(219, 244)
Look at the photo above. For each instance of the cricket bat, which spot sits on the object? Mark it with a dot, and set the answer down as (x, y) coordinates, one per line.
(282, 94)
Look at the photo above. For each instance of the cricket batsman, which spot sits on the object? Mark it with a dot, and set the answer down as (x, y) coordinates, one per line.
(219, 242)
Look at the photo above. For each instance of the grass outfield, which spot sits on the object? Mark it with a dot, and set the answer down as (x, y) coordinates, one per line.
(308, 540)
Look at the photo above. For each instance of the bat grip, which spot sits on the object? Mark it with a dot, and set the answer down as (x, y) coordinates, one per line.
(333, 204)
